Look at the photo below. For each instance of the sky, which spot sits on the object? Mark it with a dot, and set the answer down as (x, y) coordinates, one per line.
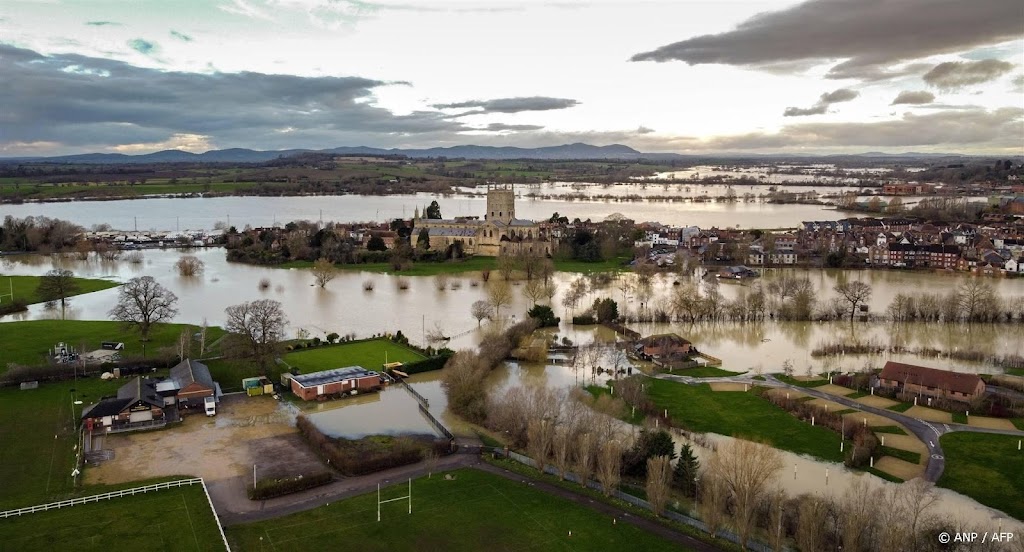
(720, 76)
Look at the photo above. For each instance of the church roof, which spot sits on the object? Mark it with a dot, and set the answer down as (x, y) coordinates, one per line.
(522, 222)
(455, 232)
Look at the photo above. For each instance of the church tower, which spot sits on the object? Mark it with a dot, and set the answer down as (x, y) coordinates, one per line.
(501, 204)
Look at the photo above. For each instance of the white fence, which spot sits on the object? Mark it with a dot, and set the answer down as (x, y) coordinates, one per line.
(118, 494)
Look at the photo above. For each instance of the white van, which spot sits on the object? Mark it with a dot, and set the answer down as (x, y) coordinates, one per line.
(211, 406)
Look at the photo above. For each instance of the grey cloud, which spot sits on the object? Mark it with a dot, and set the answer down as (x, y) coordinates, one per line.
(511, 105)
(644, 130)
(181, 36)
(817, 109)
(497, 127)
(97, 103)
(821, 107)
(1018, 83)
(914, 97)
(999, 127)
(141, 46)
(953, 75)
(102, 23)
(870, 35)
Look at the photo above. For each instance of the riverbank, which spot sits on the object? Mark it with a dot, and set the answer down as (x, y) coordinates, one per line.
(471, 264)
(21, 291)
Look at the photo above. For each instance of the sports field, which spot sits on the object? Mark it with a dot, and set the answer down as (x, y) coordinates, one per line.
(368, 354)
(177, 519)
(474, 511)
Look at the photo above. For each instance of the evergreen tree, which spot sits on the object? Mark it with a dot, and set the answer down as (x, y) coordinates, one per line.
(423, 240)
(433, 211)
(685, 473)
(649, 445)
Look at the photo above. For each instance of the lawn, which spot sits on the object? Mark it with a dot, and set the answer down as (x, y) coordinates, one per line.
(25, 287)
(705, 372)
(370, 354)
(27, 342)
(176, 519)
(474, 511)
(38, 452)
(986, 468)
(698, 408)
(801, 383)
(471, 264)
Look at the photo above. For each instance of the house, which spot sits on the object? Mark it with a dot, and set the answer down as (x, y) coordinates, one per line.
(736, 273)
(664, 346)
(192, 383)
(348, 380)
(919, 380)
(137, 404)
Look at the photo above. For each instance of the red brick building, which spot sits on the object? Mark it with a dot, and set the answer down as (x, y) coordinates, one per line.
(919, 380)
(335, 382)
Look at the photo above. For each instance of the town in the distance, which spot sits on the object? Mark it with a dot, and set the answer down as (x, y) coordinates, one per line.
(303, 275)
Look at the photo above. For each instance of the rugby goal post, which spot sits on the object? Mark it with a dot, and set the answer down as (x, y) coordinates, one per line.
(406, 497)
(10, 290)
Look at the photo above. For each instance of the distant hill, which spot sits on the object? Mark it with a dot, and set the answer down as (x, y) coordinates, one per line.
(563, 152)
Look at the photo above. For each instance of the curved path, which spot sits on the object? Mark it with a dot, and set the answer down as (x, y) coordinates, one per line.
(928, 432)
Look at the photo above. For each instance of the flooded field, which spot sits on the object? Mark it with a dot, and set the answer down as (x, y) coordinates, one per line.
(422, 308)
(203, 213)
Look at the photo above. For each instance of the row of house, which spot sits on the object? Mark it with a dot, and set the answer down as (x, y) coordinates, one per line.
(930, 382)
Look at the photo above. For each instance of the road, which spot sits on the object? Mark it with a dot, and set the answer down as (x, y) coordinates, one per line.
(928, 432)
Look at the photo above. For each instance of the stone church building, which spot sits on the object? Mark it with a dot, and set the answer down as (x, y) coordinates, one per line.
(500, 232)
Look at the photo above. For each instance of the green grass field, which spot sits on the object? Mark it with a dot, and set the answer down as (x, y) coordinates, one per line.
(177, 519)
(369, 354)
(38, 452)
(705, 372)
(472, 264)
(27, 342)
(986, 468)
(475, 511)
(25, 287)
(735, 413)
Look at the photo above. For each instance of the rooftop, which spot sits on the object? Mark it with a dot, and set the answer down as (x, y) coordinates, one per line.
(332, 376)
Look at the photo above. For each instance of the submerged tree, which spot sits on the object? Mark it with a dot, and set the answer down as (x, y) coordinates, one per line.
(57, 285)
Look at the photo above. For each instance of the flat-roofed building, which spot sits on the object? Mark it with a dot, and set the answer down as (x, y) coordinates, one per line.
(335, 382)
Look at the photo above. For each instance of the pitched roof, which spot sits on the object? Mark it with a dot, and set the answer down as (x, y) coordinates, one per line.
(189, 371)
(137, 390)
(657, 339)
(930, 377)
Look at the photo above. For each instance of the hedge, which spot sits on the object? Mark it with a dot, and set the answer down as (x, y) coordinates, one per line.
(270, 488)
(427, 364)
(369, 454)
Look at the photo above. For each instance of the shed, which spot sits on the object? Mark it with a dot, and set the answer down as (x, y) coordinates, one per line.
(347, 380)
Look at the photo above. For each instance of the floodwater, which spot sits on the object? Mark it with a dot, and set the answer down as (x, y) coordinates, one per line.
(203, 213)
(803, 475)
(422, 307)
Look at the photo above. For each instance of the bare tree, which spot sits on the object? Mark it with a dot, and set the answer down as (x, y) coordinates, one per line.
(189, 265)
(540, 435)
(57, 285)
(480, 310)
(142, 302)
(609, 465)
(184, 344)
(82, 250)
(106, 252)
(857, 517)
(561, 456)
(918, 497)
(975, 299)
(659, 481)
(534, 290)
(583, 456)
(854, 294)
(712, 496)
(323, 271)
(747, 469)
(259, 327)
(812, 529)
(578, 289)
(507, 264)
(775, 502)
(441, 282)
(430, 458)
(499, 294)
(202, 337)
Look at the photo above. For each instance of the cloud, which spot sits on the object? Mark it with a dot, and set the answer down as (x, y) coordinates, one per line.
(143, 47)
(1018, 83)
(510, 105)
(102, 23)
(821, 107)
(997, 128)
(245, 9)
(644, 130)
(187, 142)
(100, 104)
(953, 75)
(181, 36)
(869, 35)
(502, 127)
(916, 97)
